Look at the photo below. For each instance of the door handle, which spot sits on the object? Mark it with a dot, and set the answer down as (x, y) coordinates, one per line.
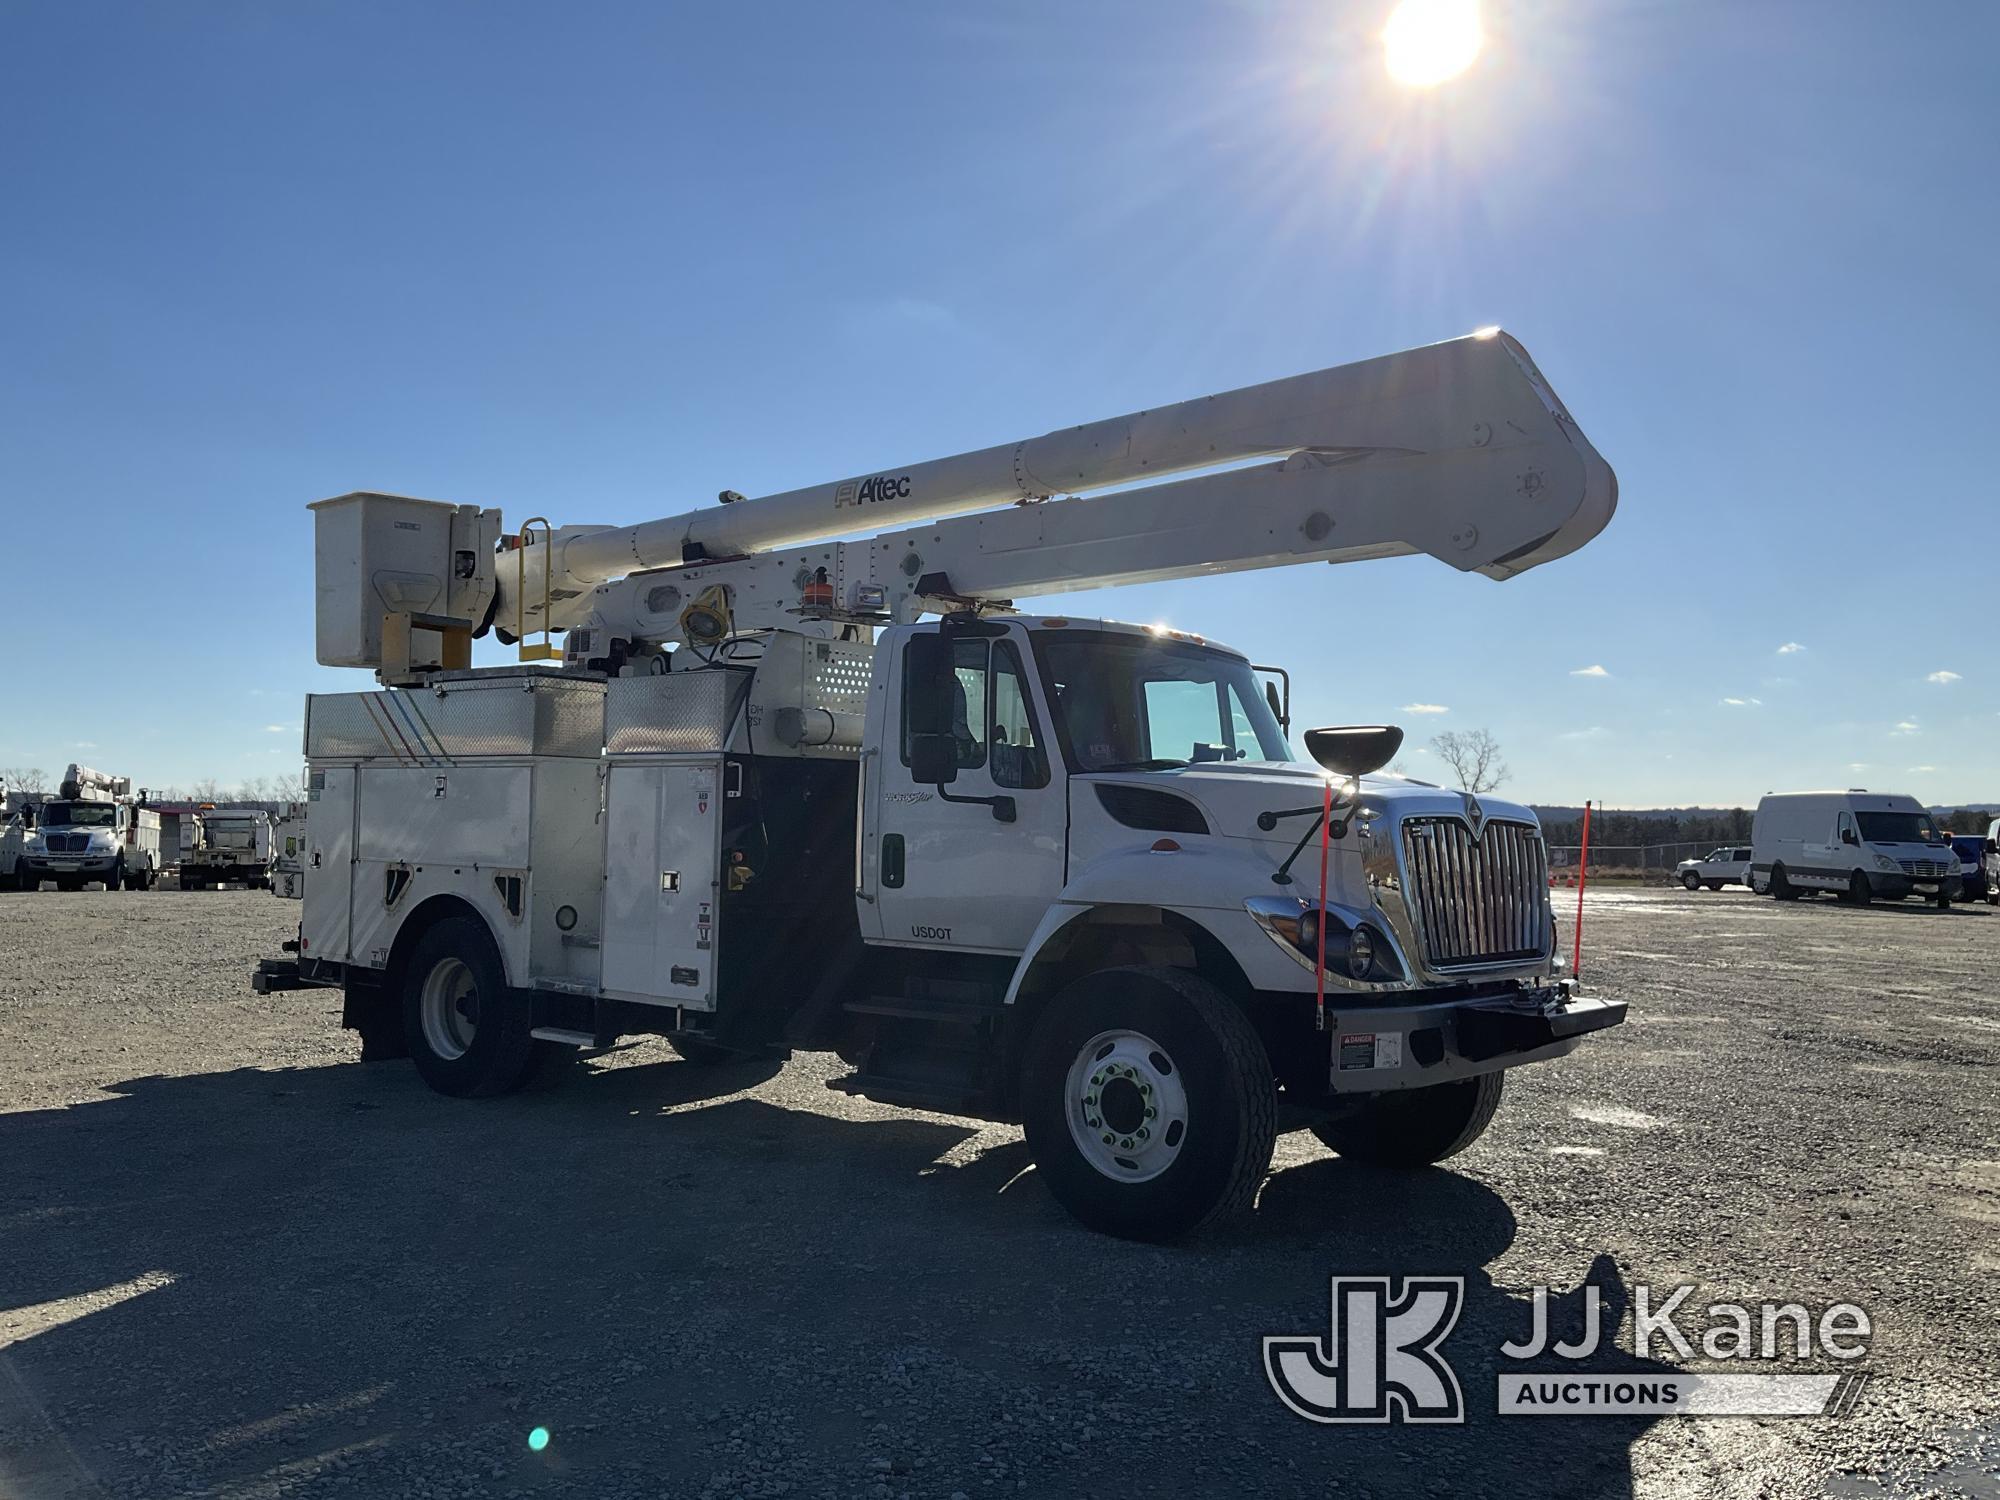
(892, 861)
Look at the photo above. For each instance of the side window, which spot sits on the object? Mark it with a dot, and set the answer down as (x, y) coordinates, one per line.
(968, 707)
(1019, 758)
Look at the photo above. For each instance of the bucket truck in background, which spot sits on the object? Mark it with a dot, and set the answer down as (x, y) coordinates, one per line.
(1006, 863)
(17, 820)
(95, 829)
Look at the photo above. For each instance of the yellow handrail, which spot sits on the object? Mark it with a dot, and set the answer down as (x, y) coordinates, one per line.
(547, 650)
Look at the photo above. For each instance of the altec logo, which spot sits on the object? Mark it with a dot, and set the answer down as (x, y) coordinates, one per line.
(872, 491)
(1381, 1361)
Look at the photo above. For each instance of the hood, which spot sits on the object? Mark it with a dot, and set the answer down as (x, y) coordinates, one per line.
(1232, 795)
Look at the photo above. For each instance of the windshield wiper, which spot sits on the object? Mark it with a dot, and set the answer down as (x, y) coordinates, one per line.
(1161, 763)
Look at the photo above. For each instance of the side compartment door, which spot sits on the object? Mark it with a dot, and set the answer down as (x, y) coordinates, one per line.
(327, 918)
(662, 867)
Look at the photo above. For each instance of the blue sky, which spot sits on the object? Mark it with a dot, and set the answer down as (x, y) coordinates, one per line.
(600, 261)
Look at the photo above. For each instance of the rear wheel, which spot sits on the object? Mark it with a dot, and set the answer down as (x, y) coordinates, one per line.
(1415, 1127)
(1713, 885)
(467, 1033)
(1781, 888)
(1148, 1103)
(1859, 891)
(1691, 880)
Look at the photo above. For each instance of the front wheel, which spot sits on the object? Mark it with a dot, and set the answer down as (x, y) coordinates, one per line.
(1415, 1127)
(1859, 891)
(1148, 1103)
(467, 1033)
(1691, 880)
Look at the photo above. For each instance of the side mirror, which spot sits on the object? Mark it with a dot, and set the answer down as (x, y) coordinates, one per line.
(1848, 836)
(933, 759)
(927, 700)
(1354, 750)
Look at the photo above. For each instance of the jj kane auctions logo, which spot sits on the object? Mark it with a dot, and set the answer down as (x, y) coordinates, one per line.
(1382, 1358)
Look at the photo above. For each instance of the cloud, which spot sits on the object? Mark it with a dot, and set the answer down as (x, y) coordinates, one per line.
(1425, 708)
(1744, 702)
(1595, 732)
(1590, 671)
(84, 745)
(1906, 726)
(281, 729)
(1857, 765)
(1790, 648)
(1920, 770)
(1941, 677)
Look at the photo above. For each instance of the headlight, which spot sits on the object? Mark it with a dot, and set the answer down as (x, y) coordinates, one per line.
(1883, 862)
(1360, 953)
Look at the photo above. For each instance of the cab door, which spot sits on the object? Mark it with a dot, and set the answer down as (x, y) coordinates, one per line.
(946, 871)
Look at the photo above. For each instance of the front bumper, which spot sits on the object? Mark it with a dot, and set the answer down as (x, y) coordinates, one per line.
(1378, 1048)
(68, 866)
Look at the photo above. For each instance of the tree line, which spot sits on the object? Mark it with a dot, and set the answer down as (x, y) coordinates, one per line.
(34, 784)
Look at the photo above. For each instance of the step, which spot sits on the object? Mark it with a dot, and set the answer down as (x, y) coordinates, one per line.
(903, 1008)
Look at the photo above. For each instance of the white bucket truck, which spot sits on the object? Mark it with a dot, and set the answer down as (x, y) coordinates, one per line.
(93, 830)
(1007, 864)
(17, 821)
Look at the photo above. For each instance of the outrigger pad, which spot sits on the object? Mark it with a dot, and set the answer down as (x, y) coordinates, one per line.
(1354, 749)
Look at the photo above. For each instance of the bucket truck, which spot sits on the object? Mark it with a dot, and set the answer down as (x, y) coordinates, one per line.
(95, 829)
(17, 821)
(789, 790)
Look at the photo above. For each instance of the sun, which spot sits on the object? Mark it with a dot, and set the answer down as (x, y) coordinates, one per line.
(1429, 41)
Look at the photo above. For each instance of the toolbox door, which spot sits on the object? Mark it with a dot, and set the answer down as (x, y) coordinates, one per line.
(327, 918)
(662, 861)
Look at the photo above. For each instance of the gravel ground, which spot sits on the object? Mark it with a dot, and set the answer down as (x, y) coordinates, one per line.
(236, 1262)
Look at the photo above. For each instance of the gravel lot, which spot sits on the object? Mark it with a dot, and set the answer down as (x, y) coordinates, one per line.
(236, 1262)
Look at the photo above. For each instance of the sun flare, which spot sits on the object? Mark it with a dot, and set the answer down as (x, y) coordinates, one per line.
(1429, 41)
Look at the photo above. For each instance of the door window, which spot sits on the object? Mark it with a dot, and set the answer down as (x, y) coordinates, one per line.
(1019, 759)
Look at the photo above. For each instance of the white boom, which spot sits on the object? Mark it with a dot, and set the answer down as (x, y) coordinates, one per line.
(1459, 450)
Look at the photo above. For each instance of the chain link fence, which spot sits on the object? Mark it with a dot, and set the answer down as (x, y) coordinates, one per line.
(1643, 862)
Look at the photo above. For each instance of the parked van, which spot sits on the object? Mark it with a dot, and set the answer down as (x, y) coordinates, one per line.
(1857, 844)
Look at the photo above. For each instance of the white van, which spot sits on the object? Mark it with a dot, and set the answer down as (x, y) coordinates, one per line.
(1856, 844)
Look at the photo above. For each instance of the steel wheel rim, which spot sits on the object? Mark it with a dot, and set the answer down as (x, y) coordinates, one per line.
(449, 1007)
(1126, 1106)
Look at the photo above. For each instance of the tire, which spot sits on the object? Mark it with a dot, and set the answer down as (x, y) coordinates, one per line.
(1713, 885)
(706, 1054)
(1781, 888)
(1859, 891)
(1184, 1060)
(1691, 880)
(1416, 1127)
(115, 881)
(467, 1033)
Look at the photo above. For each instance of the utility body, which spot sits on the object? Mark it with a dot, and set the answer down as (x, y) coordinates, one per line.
(94, 830)
(1009, 864)
(229, 844)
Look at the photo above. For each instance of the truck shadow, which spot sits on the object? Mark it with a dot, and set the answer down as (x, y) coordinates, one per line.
(329, 1280)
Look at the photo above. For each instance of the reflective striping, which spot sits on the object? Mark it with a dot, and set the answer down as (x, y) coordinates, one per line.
(1476, 901)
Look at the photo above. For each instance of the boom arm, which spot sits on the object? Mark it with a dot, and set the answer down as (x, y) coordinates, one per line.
(1459, 450)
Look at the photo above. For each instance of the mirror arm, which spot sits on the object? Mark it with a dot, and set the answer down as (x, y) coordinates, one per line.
(1004, 810)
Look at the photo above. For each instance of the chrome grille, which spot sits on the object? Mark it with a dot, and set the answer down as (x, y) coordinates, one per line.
(1477, 901)
(1926, 869)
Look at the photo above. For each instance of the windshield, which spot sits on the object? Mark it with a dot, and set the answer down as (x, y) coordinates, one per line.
(1897, 827)
(1125, 702)
(79, 815)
